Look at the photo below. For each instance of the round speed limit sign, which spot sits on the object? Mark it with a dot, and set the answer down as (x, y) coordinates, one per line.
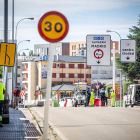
(53, 26)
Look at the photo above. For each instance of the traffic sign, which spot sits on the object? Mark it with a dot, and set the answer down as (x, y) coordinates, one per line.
(22, 93)
(7, 54)
(97, 86)
(128, 50)
(53, 26)
(98, 50)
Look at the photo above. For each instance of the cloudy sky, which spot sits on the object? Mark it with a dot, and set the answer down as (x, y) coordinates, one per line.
(84, 16)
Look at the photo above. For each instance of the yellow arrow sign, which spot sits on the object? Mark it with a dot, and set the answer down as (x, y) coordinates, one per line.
(7, 54)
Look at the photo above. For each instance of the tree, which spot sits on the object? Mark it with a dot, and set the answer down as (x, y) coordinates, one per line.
(24, 54)
(132, 70)
(31, 53)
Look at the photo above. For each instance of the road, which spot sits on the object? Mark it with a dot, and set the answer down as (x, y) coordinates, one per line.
(99, 123)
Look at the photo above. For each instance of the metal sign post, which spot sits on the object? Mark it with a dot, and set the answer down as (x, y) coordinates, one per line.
(52, 27)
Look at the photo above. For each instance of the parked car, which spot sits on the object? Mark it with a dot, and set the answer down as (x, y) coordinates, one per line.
(62, 101)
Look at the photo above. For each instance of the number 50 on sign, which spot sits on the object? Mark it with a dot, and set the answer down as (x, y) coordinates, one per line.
(53, 26)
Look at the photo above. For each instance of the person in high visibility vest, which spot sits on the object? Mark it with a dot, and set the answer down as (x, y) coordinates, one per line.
(2, 90)
(113, 98)
(92, 98)
(106, 96)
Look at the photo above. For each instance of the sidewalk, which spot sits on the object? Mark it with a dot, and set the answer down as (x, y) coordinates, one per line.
(21, 126)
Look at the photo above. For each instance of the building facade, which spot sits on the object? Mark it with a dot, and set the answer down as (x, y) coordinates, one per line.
(65, 70)
(59, 48)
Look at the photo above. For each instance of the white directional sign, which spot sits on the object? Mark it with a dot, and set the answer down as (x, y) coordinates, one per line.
(98, 50)
(128, 50)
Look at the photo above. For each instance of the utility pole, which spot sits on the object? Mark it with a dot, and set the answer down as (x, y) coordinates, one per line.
(12, 42)
(5, 38)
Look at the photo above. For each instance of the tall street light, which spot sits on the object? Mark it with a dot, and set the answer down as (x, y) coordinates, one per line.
(23, 49)
(17, 48)
(120, 70)
(17, 58)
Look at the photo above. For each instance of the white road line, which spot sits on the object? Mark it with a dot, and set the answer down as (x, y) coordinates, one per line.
(55, 128)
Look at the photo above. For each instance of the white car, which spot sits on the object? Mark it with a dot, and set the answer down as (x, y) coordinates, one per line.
(62, 101)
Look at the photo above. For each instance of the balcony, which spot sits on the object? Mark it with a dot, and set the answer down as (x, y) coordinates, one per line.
(25, 80)
(25, 70)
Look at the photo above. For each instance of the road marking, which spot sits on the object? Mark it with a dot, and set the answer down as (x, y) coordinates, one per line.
(55, 128)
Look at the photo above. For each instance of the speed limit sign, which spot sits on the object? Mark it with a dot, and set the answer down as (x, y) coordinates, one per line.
(53, 26)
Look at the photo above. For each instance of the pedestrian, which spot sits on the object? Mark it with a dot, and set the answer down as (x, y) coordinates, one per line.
(2, 91)
(88, 96)
(16, 95)
(113, 99)
(106, 96)
(102, 93)
(92, 98)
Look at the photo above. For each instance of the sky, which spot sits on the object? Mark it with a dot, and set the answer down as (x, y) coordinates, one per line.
(84, 17)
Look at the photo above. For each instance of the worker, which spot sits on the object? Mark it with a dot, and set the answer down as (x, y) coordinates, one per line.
(106, 96)
(113, 98)
(2, 91)
(88, 96)
(92, 98)
(102, 94)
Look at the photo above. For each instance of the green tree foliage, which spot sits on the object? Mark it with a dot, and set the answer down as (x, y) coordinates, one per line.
(125, 86)
(24, 54)
(31, 53)
(132, 70)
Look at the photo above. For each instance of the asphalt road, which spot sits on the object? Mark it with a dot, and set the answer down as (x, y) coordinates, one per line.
(98, 123)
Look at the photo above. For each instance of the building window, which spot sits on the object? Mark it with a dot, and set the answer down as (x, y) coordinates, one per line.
(75, 47)
(103, 72)
(56, 48)
(72, 53)
(47, 51)
(66, 75)
(43, 50)
(57, 75)
(18, 67)
(66, 65)
(18, 75)
(75, 75)
(76, 66)
(57, 65)
(94, 72)
(38, 50)
(18, 84)
(72, 47)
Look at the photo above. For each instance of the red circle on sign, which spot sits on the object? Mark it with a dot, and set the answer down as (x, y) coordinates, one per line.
(100, 56)
(46, 38)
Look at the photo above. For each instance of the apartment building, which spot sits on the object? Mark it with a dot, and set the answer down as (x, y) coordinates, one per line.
(65, 70)
(59, 48)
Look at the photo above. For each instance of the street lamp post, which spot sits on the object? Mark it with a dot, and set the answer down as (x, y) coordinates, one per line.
(17, 48)
(17, 59)
(120, 70)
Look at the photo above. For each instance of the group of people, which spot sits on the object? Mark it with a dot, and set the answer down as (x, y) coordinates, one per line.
(16, 97)
(104, 97)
